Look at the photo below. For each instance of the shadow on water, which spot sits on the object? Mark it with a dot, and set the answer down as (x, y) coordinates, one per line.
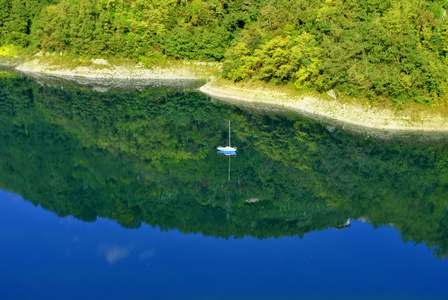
(149, 155)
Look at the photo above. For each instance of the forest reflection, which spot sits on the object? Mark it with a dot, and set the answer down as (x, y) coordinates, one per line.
(149, 155)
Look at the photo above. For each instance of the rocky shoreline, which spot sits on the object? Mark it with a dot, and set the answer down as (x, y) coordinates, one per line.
(329, 110)
(102, 76)
(101, 69)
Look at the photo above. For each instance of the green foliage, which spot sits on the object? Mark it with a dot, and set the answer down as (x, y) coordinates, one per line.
(179, 43)
(17, 18)
(8, 51)
(235, 66)
(278, 60)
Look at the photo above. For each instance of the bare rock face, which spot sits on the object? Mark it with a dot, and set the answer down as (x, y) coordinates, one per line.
(332, 94)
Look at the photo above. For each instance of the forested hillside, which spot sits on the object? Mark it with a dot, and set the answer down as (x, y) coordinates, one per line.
(375, 49)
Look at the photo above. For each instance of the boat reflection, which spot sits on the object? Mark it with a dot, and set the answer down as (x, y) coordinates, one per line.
(227, 153)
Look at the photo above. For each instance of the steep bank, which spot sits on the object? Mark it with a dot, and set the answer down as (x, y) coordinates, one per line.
(328, 109)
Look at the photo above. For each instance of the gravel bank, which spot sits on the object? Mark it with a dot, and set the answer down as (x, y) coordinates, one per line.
(102, 70)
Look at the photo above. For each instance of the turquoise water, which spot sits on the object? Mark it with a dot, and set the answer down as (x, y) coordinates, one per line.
(121, 195)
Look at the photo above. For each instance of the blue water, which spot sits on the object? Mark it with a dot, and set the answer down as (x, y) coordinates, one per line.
(47, 257)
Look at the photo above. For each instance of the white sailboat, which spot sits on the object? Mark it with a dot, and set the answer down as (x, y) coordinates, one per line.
(227, 149)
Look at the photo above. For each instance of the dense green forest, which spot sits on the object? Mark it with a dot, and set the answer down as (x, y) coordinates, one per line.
(375, 49)
(150, 156)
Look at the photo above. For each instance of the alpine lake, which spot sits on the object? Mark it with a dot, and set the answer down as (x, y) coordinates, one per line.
(116, 191)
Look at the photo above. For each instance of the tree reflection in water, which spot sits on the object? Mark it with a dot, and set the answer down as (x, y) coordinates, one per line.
(149, 156)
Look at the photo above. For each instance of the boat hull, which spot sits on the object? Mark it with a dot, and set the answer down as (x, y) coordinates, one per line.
(227, 149)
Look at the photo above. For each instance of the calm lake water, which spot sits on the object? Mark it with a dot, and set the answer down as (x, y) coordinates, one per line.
(119, 193)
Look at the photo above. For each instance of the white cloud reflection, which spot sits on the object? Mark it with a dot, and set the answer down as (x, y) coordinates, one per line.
(114, 253)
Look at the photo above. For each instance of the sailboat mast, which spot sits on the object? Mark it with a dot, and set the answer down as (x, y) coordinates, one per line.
(229, 135)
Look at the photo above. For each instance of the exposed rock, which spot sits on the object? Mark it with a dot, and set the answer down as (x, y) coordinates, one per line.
(100, 61)
(253, 200)
(332, 94)
(100, 89)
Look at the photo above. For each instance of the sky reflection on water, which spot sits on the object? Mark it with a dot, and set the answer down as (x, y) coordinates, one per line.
(47, 257)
